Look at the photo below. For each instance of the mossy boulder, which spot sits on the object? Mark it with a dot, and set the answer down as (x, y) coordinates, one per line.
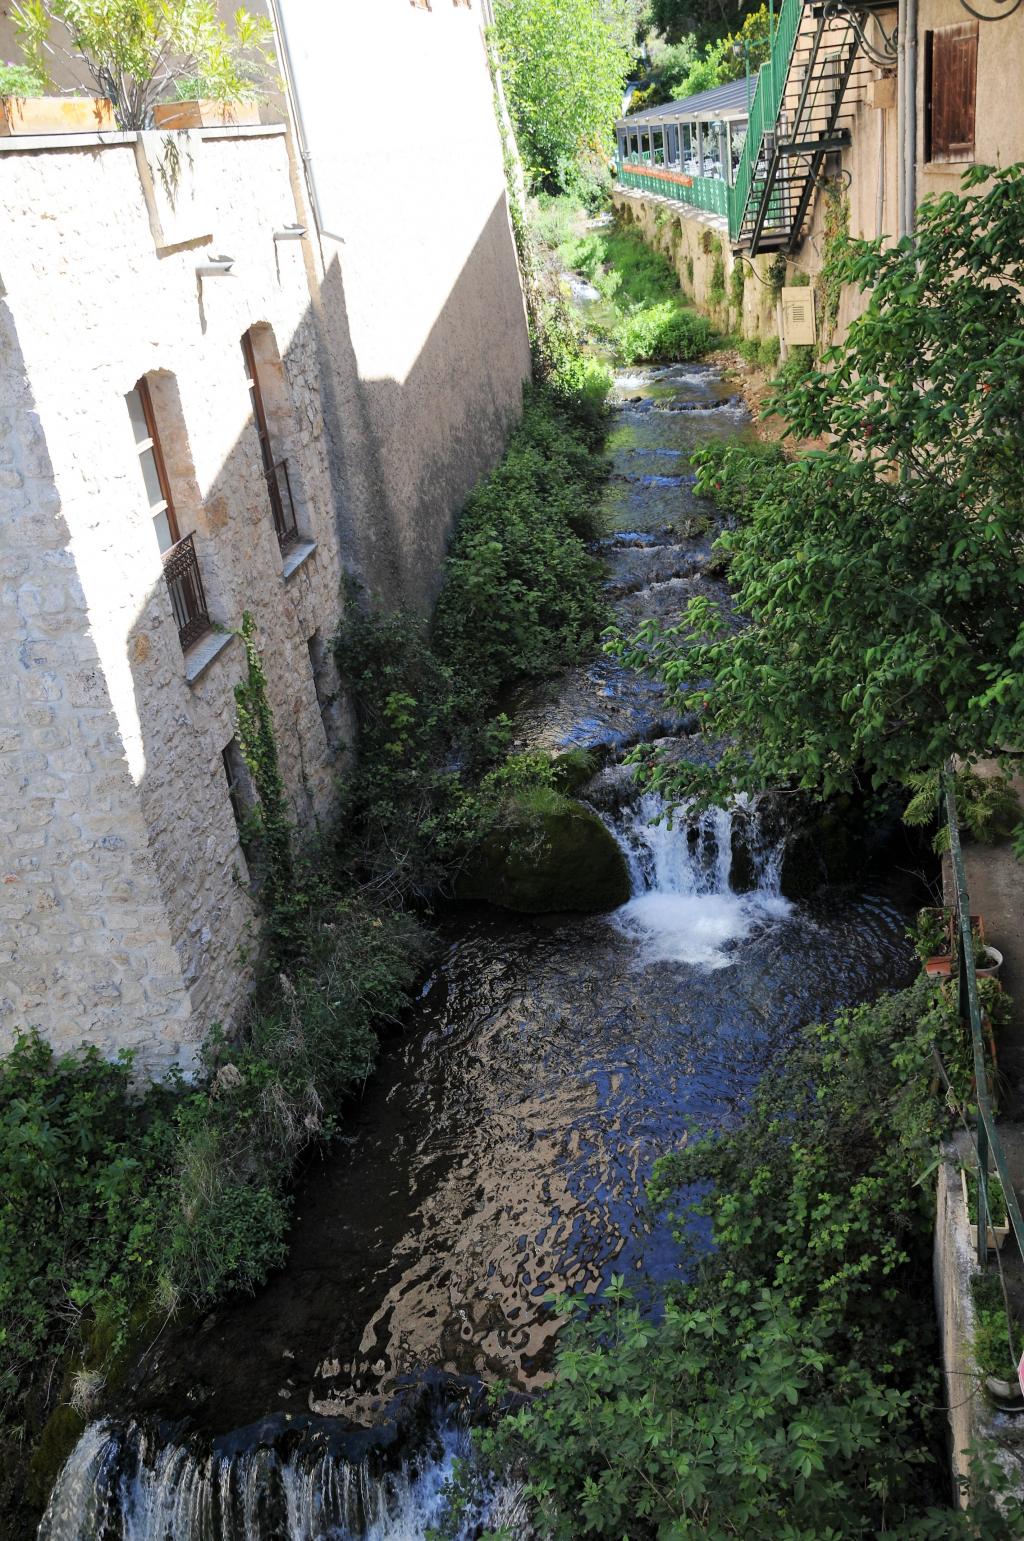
(58, 1437)
(547, 853)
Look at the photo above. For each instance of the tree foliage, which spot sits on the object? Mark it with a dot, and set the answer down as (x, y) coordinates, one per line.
(705, 19)
(136, 51)
(785, 1389)
(564, 64)
(879, 624)
(682, 71)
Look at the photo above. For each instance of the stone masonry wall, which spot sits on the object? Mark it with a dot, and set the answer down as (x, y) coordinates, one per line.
(113, 724)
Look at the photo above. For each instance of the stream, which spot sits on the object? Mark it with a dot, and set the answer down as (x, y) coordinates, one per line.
(500, 1151)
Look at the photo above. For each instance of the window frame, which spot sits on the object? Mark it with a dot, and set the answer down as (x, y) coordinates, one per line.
(957, 152)
(287, 531)
(152, 446)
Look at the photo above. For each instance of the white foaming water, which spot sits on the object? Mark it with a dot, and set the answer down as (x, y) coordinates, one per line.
(119, 1485)
(684, 909)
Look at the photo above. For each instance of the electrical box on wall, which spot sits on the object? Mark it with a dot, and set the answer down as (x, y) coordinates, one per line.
(797, 316)
(882, 92)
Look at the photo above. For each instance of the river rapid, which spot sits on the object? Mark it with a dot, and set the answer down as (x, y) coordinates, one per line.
(500, 1151)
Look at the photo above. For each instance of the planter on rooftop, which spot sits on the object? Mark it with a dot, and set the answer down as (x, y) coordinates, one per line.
(205, 112)
(55, 115)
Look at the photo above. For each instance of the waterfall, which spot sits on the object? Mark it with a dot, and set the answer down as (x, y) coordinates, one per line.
(122, 1483)
(684, 907)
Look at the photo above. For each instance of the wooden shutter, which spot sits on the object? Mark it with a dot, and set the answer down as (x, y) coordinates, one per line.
(951, 89)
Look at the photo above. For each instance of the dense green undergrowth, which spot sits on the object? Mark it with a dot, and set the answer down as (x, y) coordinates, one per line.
(788, 1384)
(122, 1205)
(647, 318)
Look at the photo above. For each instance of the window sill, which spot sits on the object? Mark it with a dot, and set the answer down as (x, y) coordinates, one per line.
(295, 558)
(202, 653)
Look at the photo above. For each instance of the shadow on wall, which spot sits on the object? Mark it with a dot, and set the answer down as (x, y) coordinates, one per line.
(411, 451)
(84, 949)
(130, 913)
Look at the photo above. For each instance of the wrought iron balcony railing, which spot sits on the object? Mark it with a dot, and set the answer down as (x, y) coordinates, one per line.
(185, 586)
(281, 504)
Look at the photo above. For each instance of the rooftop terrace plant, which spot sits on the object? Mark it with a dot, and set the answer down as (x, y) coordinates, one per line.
(135, 51)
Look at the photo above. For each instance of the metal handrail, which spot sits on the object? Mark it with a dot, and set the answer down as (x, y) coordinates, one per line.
(708, 193)
(764, 109)
(986, 1135)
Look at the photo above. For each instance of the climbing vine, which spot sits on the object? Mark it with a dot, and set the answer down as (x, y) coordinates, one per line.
(737, 283)
(268, 818)
(834, 251)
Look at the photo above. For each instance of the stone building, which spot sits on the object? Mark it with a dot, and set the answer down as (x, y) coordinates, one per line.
(234, 363)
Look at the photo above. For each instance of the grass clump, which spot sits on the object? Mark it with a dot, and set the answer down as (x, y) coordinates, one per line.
(763, 352)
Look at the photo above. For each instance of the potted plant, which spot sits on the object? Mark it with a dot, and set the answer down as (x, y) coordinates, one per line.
(26, 109)
(999, 1224)
(987, 960)
(930, 936)
(137, 52)
(995, 1358)
(197, 105)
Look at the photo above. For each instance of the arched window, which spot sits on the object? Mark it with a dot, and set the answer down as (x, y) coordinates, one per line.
(181, 568)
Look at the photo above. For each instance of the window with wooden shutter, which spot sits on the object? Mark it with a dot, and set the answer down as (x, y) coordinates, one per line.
(951, 73)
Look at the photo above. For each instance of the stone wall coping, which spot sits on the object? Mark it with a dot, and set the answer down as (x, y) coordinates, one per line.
(202, 653)
(297, 556)
(16, 144)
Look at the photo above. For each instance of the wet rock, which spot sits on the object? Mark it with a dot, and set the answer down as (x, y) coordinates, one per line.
(549, 854)
(743, 870)
(613, 788)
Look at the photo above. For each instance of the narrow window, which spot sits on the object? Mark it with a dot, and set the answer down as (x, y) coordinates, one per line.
(151, 460)
(236, 773)
(181, 569)
(325, 683)
(275, 470)
(950, 92)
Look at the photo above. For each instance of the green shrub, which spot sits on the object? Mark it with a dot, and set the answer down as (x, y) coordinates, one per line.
(992, 1352)
(521, 592)
(988, 808)
(20, 80)
(661, 332)
(735, 475)
(737, 283)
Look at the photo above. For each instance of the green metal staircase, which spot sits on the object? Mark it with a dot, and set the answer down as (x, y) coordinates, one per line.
(800, 113)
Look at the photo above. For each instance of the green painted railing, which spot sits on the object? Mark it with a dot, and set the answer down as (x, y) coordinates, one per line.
(764, 109)
(986, 1137)
(708, 193)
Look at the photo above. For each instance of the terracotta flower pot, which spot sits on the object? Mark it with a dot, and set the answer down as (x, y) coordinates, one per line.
(55, 115)
(205, 113)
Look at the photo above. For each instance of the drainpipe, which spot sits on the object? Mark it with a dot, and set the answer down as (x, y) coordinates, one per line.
(901, 120)
(287, 71)
(911, 111)
(880, 197)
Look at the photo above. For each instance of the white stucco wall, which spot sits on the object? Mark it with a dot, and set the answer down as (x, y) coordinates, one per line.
(422, 306)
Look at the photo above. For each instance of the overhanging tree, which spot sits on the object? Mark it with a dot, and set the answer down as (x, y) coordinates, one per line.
(565, 63)
(704, 19)
(140, 52)
(878, 583)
